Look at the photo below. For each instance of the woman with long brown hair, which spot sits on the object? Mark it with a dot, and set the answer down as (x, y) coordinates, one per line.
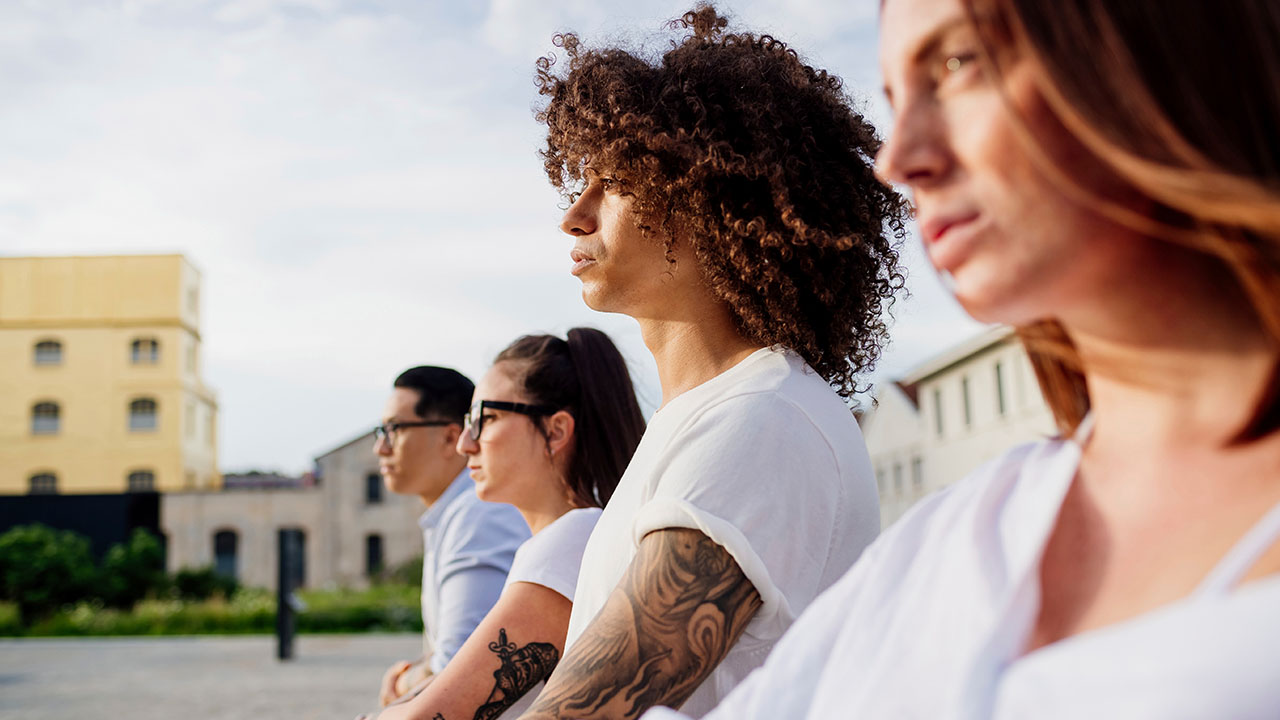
(552, 427)
(1105, 175)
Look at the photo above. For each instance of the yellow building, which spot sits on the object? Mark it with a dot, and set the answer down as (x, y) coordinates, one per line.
(100, 388)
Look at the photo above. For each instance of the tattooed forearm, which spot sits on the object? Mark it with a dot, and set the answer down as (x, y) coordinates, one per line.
(521, 670)
(680, 606)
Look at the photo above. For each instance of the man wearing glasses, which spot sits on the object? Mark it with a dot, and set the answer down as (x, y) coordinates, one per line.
(468, 544)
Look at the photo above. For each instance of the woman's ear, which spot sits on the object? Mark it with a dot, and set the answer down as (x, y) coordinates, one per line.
(559, 429)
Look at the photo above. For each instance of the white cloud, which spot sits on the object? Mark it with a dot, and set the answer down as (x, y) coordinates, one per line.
(358, 181)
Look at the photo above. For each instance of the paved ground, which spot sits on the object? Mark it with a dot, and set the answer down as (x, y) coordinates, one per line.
(332, 677)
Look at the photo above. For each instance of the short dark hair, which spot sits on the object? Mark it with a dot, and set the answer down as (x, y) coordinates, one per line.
(731, 143)
(585, 375)
(443, 393)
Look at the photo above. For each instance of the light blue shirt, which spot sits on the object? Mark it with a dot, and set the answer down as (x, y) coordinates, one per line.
(468, 546)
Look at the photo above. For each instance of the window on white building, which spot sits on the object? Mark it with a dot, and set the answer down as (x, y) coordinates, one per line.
(897, 478)
(224, 553)
(917, 474)
(1000, 403)
(372, 555)
(373, 489)
(937, 410)
(968, 411)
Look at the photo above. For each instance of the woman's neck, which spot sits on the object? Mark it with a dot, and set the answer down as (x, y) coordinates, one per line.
(1173, 363)
(538, 518)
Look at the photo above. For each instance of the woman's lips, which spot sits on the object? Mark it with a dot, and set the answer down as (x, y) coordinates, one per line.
(951, 239)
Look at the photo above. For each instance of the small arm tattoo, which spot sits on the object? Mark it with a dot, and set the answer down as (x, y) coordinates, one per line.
(675, 614)
(521, 670)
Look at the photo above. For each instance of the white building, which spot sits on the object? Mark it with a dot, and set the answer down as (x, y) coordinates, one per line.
(352, 526)
(951, 414)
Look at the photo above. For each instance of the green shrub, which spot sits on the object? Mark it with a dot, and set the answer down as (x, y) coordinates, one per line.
(203, 583)
(408, 572)
(384, 608)
(133, 570)
(42, 569)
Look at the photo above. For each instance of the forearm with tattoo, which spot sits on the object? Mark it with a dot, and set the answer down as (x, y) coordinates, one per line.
(675, 614)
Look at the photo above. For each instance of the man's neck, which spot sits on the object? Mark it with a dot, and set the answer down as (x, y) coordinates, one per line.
(690, 351)
(441, 487)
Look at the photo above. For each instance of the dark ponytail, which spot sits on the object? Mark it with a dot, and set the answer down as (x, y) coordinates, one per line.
(586, 376)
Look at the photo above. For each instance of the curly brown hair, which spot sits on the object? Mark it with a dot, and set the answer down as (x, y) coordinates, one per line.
(730, 142)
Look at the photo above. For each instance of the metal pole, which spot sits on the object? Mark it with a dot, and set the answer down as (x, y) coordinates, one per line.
(287, 548)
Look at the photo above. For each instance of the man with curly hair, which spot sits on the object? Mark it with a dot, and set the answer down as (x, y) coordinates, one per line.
(723, 195)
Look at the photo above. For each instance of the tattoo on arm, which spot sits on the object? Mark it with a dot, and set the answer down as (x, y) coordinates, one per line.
(675, 614)
(521, 670)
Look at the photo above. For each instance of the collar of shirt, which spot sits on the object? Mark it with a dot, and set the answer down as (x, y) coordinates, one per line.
(431, 517)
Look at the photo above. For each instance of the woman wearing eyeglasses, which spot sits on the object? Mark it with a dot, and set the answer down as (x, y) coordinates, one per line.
(553, 425)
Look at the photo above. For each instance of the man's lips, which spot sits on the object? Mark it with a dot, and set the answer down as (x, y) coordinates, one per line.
(581, 261)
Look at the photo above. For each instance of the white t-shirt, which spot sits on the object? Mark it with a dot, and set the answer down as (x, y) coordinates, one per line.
(931, 623)
(552, 557)
(768, 462)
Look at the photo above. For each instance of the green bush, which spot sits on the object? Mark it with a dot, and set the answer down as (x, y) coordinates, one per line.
(381, 608)
(408, 572)
(42, 569)
(384, 608)
(133, 570)
(202, 583)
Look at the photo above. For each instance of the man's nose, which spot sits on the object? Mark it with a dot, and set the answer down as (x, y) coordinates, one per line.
(580, 218)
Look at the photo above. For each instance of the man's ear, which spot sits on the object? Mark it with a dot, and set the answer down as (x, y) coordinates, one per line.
(449, 439)
(559, 427)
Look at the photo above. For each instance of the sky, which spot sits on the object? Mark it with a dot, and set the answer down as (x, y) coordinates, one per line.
(356, 180)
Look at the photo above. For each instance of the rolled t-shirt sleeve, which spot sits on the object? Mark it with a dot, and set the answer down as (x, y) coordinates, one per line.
(476, 553)
(756, 476)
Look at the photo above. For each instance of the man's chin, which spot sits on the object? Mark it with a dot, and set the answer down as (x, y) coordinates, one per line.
(593, 298)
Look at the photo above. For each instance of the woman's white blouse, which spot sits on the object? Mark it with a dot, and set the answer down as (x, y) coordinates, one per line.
(931, 622)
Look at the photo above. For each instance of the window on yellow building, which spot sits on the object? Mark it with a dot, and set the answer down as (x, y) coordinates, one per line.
(145, 351)
(48, 352)
(45, 418)
(142, 481)
(43, 484)
(142, 415)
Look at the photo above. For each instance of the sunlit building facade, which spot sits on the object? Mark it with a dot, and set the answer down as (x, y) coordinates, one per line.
(100, 385)
(949, 415)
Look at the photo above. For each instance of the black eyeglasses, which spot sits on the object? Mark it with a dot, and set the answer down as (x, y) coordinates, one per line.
(387, 431)
(474, 421)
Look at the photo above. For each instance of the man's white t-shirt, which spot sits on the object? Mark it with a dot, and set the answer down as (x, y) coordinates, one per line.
(933, 620)
(768, 462)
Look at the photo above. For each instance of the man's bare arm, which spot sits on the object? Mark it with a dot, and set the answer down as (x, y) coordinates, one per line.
(680, 606)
